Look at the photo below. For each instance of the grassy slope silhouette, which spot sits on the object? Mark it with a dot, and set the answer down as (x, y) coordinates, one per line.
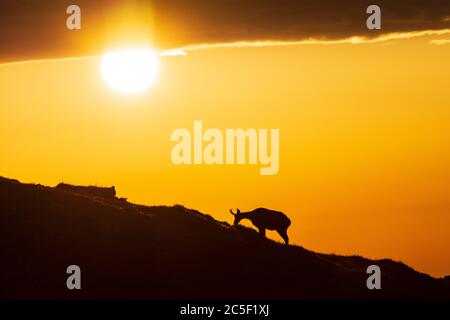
(131, 251)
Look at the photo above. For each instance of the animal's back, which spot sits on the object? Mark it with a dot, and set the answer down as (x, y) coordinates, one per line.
(270, 219)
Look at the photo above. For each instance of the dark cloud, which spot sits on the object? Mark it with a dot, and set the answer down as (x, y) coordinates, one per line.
(31, 29)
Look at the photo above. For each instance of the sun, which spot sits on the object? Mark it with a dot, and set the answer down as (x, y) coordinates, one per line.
(130, 71)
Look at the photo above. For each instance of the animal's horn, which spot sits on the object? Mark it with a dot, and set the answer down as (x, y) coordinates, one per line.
(231, 211)
(238, 211)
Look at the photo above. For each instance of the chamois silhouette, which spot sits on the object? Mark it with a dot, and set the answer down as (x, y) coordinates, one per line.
(263, 219)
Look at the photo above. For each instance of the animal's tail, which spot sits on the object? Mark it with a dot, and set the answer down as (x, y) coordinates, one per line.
(288, 222)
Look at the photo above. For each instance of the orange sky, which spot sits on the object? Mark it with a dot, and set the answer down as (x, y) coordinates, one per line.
(364, 139)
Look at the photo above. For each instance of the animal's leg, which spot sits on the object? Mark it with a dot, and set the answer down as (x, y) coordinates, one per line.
(283, 234)
(262, 231)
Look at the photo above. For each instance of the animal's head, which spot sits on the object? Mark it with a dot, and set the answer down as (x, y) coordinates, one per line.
(238, 216)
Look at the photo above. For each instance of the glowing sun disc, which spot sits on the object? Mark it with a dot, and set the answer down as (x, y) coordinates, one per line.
(129, 71)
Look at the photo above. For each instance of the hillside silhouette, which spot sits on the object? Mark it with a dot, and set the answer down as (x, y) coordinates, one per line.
(128, 251)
